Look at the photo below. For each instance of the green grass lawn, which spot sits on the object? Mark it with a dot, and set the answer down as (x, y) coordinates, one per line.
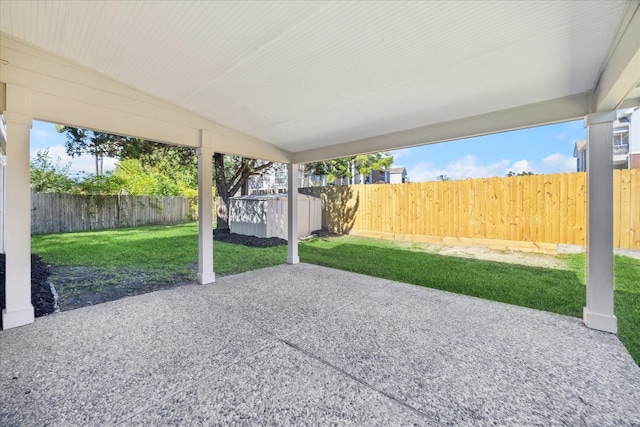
(163, 251)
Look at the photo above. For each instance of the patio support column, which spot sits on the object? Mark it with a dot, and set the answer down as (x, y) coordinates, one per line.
(19, 310)
(205, 215)
(292, 220)
(598, 314)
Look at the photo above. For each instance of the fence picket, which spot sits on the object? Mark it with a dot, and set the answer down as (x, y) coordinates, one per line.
(537, 208)
(55, 213)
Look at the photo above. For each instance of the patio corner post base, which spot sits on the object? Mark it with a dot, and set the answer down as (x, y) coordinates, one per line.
(206, 278)
(601, 322)
(14, 319)
(293, 260)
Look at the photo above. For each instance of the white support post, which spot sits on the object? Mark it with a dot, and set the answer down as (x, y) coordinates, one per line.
(205, 216)
(19, 310)
(598, 314)
(292, 211)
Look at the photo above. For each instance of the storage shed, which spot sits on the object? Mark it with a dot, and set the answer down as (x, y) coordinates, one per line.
(265, 215)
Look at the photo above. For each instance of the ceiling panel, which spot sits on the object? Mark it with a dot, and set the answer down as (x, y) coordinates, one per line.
(303, 75)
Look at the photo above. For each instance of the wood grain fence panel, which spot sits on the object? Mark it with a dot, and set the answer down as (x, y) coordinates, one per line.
(581, 206)
(634, 215)
(625, 209)
(616, 207)
(55, 213)
(538, 208)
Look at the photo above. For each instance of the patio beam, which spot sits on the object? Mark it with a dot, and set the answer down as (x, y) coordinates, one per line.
(554, 111)
(205, 210)
(292, 212)
(19, 310)
(622, 71)
(598, 313)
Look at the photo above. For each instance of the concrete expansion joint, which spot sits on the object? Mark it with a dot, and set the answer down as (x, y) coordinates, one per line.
(357, 379)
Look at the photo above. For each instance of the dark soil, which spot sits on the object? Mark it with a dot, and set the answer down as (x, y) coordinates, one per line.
(254, 242)
(81, 286)
(41, 296)
(87, 285)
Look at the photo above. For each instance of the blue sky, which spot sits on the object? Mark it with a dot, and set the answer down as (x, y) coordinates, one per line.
(544, 149)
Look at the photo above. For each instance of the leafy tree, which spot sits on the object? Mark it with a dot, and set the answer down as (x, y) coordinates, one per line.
(47, 177)
(97, 144)
(232, 174)
(178, 163)
(106, 184)
(347, 167)
(443, 177)
(512, 173)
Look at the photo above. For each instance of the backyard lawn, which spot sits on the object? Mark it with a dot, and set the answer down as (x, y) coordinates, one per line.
(90, 266)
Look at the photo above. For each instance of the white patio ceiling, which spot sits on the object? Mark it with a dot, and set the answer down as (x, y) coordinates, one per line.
(324, 79)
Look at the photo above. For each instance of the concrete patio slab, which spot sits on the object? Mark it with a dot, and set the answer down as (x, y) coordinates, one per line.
(281, 300)
(98, 364)
(302, 344)
(279, 386)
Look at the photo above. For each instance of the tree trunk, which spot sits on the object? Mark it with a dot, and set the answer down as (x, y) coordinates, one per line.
(222, 195)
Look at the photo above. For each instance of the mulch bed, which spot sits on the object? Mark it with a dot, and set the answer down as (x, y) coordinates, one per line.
(41, 296)
(252, 241)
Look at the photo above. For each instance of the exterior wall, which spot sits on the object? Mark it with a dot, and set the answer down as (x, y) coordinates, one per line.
(581, 163)
(634, 140)
(274, 181)
(398, 177)
(3, 162)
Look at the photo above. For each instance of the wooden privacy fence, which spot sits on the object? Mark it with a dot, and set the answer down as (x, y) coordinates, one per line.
(54, 213)
(538, 209)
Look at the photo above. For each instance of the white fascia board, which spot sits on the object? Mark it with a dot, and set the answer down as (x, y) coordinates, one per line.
(542, 113)
(67, 93)
(622, 71)
(628, 103)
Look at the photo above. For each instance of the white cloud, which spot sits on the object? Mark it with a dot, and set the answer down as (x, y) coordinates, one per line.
(404, 152)
(520, 166)
(42, 134)
(462, 168)
(558, 162)
(553, 163)
(86, 164)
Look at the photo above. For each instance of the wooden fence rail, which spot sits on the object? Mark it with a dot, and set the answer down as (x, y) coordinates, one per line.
(536, 208)
(54, 213)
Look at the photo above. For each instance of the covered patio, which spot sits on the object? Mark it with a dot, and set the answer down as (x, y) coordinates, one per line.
(298, 82)
(304, 344)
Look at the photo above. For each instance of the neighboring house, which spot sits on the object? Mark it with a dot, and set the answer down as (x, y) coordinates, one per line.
(273, 181)
(580, 153)
(626, 142)
(398, 175)
(395, 175)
